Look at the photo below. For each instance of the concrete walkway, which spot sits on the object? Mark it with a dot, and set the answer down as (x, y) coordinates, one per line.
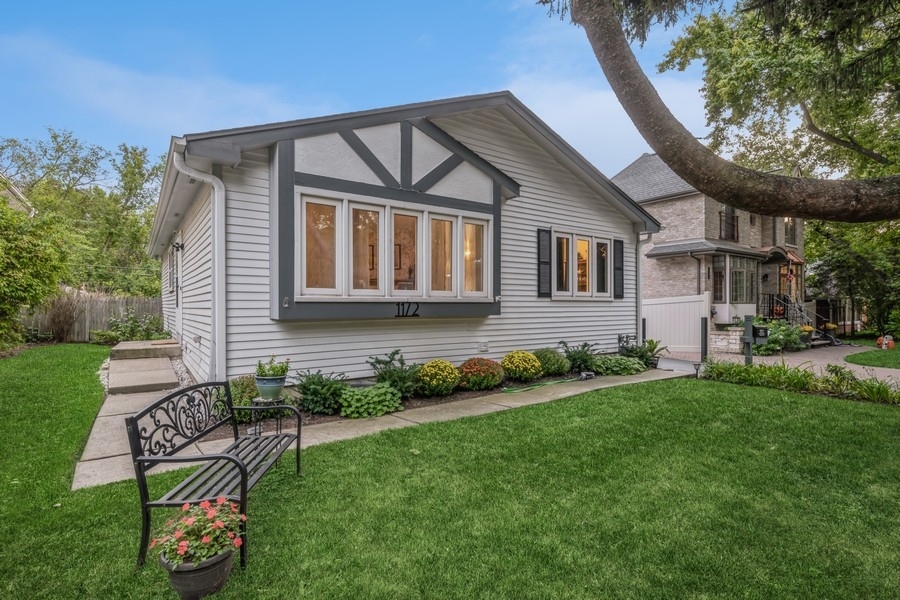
(107, 458)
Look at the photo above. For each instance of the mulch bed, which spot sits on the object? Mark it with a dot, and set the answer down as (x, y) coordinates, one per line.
(307, 418)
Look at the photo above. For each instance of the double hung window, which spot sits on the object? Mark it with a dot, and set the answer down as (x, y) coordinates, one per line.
(581, 266)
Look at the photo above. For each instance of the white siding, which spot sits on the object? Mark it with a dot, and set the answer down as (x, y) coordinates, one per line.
(168, 299)
(549, 194)
(196, 289)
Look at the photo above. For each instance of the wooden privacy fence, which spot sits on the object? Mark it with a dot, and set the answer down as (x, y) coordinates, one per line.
(95, 313)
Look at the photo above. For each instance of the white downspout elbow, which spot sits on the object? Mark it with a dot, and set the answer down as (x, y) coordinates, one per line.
(217, 368)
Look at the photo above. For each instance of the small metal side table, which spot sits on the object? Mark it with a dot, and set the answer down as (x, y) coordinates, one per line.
(256, 420)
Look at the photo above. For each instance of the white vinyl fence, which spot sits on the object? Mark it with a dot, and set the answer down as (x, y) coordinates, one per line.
(95, 313)
(676, 321)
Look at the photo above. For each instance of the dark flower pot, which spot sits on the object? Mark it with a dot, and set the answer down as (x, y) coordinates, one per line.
(270, 388)
(198, 580)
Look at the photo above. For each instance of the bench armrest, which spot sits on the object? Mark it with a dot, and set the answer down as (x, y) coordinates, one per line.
(241, 466)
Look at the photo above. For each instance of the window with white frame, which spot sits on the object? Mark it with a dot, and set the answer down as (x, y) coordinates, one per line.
(363, 247)
(581, 265)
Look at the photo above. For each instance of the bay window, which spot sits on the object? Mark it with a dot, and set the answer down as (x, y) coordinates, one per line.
(442, 253)
(473, 258)
(364, 248)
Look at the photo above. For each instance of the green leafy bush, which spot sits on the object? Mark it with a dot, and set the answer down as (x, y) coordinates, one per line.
(32, 261)
(836, 380)
(480, 374)
(243, 391)
(521, 365)
(874, 390)
(373, 401)
(648, 352)
(782, 336)
(581, 357)
(131, 328)
(437, 377)
(552, 362)
(321, 393)
(617, 365)
(393, 370)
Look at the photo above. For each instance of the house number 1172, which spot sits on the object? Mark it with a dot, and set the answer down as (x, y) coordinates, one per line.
(407, 309)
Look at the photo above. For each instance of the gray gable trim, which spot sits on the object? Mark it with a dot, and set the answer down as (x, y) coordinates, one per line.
(226, 145)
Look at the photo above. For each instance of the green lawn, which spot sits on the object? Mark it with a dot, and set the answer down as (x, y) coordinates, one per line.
(681, 488)
(876, 358)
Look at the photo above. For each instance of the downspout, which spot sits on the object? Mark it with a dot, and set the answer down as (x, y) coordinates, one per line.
(699, 271)
(639, 309)
(217, 250)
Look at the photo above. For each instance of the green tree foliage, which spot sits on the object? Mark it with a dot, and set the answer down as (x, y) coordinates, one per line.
(107, 216)
(769, 106)
(854, 46)
(859, 261)
(31, 263)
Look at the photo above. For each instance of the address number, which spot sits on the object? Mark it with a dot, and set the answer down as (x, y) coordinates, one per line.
(407, 309)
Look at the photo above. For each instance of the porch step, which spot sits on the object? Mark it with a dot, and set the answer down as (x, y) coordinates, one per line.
(133, 375)
(819, 342)
(146, 349)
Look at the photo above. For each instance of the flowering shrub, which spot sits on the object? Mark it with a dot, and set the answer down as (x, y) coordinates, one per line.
(552, 362)
(437, 378)
(521, 365)
(480, 374)
(202, 531)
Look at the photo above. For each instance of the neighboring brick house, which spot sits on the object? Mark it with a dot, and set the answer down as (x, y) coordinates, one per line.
(750, 264)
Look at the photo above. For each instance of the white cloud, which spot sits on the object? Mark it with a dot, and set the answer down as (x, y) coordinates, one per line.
(591, 119)
(552, 69)
(162, 103)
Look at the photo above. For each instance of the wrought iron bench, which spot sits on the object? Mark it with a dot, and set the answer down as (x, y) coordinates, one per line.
(179, 420)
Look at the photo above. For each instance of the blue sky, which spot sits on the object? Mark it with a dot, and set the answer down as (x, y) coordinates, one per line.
(139, 73)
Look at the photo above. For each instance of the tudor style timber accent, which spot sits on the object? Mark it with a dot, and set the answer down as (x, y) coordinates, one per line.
(392, 164)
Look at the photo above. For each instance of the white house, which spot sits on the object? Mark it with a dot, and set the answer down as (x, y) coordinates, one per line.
(448, 229)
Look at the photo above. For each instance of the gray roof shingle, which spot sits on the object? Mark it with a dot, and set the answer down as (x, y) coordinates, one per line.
(649, 178)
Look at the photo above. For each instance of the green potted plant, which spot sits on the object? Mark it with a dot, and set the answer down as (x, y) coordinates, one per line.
(197, 548)
(270, 377)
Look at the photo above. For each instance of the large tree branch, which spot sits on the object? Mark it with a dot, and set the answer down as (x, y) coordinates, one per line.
(850, 144)
(761, 193)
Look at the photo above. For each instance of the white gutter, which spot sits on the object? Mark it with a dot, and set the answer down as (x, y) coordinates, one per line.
(639, 302)
(217, 249)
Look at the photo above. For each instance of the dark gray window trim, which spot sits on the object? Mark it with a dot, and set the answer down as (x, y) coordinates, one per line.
(282, 257)
(544, 263)
(376, 191)
(618, 269)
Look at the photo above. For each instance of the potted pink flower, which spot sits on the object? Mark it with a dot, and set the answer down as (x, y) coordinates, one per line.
(197, 547)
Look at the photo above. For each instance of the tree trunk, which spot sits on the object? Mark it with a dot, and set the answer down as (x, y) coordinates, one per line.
(776, 195)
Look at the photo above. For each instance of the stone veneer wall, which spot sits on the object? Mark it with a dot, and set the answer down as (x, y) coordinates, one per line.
(726, 342)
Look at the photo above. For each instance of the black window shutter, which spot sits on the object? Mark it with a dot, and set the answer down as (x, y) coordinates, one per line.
(544, 281)
(618, 269)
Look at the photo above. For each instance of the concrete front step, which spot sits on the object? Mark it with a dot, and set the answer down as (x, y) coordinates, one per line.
(145, 349)
(133, 375)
